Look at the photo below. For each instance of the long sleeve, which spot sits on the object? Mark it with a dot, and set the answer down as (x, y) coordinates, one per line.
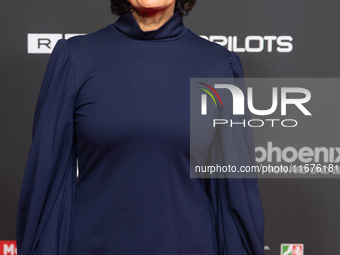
(44, 213)
(236, 201)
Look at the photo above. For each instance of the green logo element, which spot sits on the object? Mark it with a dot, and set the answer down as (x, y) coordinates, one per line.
(286, 249)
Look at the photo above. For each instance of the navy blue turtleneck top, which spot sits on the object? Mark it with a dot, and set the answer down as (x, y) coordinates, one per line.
(118, 101)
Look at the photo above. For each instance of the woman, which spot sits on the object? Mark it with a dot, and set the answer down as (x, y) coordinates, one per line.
(117, 100)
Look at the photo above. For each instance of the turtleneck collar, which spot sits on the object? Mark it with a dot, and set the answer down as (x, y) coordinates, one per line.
(172, 29)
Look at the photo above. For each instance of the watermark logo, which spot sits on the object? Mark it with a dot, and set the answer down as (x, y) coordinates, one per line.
(292, 119)
(204, 97)
(294, 96)
(291, 249)
(239, 99)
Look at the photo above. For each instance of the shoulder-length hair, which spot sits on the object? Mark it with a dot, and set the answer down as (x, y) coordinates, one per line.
(120, 7)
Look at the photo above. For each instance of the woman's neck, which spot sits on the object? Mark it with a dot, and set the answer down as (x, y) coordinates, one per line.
(153, 19)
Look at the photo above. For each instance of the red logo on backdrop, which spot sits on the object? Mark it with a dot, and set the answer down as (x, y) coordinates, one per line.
(8, 248)
(297, 250)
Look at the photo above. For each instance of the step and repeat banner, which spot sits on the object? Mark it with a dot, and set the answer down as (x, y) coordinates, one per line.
(291, 58)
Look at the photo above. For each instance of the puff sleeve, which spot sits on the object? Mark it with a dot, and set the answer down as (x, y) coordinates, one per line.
(44, 213)
(236, 201)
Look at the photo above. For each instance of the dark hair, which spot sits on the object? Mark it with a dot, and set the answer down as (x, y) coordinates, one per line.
(120, 7)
